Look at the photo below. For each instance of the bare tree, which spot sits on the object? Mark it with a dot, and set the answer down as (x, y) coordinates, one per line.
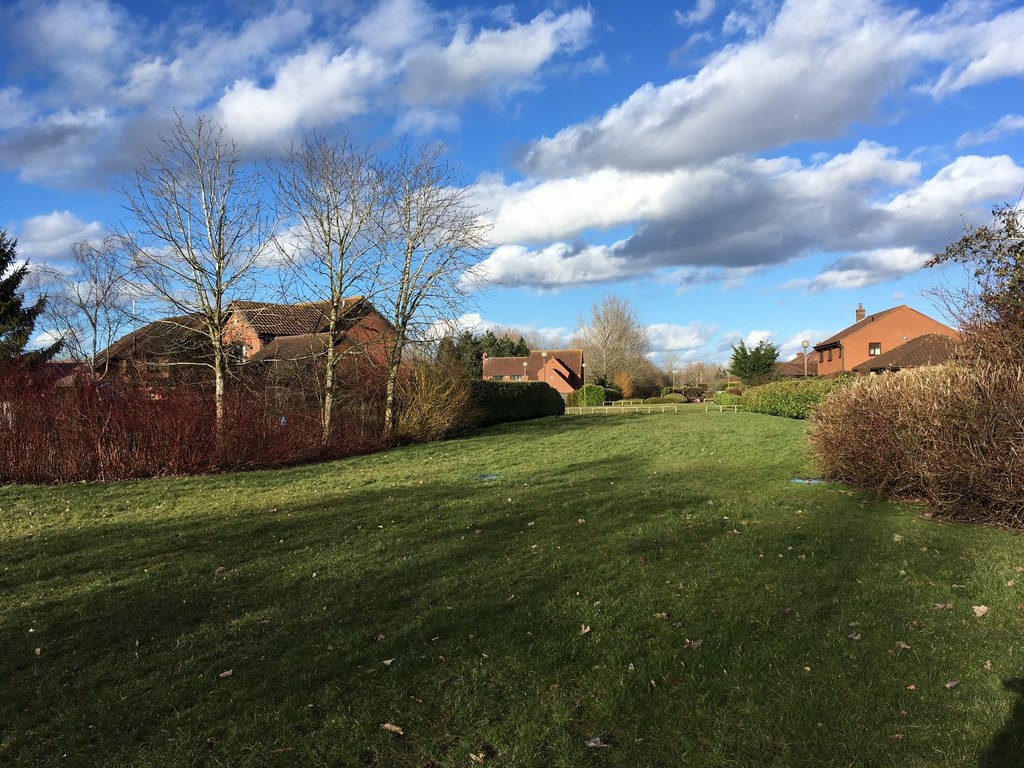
(92, 303)
(432, 235)
(614, 340)
(329, 196)
(196, 229)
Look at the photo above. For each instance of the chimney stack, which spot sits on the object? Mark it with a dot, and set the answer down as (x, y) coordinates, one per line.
(860, 312)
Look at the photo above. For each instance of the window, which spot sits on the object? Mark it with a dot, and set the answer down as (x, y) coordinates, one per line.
(821, 356)
(496, 378)
(830, 355)
(515, 378)
(875, 348)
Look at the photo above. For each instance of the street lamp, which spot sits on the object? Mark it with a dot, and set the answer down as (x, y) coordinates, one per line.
(524, 370)
(805, 344)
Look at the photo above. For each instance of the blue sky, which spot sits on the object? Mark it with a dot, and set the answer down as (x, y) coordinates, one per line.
(752, 169)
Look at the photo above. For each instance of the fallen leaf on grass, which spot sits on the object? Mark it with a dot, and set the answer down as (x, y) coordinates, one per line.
(853, 636)
(39, 651)
(902, 646)
(219, 569)
(661, 615)
(943, 606)
(897, 737)
(911, 687)
(598, 741)
(388, 662)
(897, 538)
(951, 684)
(979, 610)
(584, 629)
(226, 673)
(693, 645)
(392, 728)
(988, 664)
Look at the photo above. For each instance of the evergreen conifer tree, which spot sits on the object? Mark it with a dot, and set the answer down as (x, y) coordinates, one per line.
(17, 322)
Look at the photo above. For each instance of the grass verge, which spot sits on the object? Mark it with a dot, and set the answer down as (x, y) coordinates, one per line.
(655, 582)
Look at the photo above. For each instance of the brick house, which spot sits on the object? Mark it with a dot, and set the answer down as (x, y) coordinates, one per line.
(563, 369)
(797, 368)
(873, 335)
(258, 333)
(930, 349)
(261, 332)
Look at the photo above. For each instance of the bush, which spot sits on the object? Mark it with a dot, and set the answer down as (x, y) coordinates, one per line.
(952, 435)
(611, 395)
(499, 401)
(672, 398)
(588, 395)
(434, 401)
(793, 398)
(728, 398)
(114, 431)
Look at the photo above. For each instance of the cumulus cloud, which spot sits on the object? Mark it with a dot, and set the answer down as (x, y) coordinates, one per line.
(50, 236)
(395, 25)
(313, 87)
(682, 339)
(860, 270)
(490, 59)
(819, 67)
(719, 221)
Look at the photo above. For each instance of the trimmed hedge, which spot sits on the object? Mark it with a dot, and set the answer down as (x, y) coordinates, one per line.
(496, 402)
(793, 398)
(727, 398)
(588, 395)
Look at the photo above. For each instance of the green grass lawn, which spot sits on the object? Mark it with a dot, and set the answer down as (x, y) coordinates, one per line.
(653, 581)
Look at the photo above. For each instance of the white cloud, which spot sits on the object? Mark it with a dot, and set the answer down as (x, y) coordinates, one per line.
(1003, 126)
(793, 345)
(755, 337)
(312, 87)
(50, 236)
(821, 65)
(981, 52)
(395, 25)
(682, 339)
(491, 60)
(556, 265)
(701, 12)
(860, 270)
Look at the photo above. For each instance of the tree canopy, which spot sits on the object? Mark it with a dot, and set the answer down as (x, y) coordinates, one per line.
(990, 306)
(754, 366)
(18, 321)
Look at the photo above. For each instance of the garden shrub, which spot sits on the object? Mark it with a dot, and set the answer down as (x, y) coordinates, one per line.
(112, 430)
(952, 435)
(792, 398)
(728, 398)
(589, 395)
(435, 400)
(611, 395)
(672, 398)
(499, 401)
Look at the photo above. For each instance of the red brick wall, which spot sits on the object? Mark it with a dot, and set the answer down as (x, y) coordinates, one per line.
(900, 325)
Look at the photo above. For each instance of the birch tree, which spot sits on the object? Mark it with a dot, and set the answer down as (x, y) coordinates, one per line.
(614, 340)
(196, 226)
(92, 303)
(330, 199)
(432, 235)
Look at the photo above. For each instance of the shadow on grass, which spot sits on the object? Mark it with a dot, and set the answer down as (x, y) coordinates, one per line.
(477, 594)
(1007, 747)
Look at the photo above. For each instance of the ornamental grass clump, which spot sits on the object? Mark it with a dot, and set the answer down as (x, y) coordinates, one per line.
(950, 435)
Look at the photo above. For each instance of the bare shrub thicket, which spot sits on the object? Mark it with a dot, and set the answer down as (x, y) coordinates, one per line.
(434, 401)
(98, 431)
(951, 435)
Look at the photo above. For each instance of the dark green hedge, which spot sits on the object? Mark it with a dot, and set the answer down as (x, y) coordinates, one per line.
(500, 401)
